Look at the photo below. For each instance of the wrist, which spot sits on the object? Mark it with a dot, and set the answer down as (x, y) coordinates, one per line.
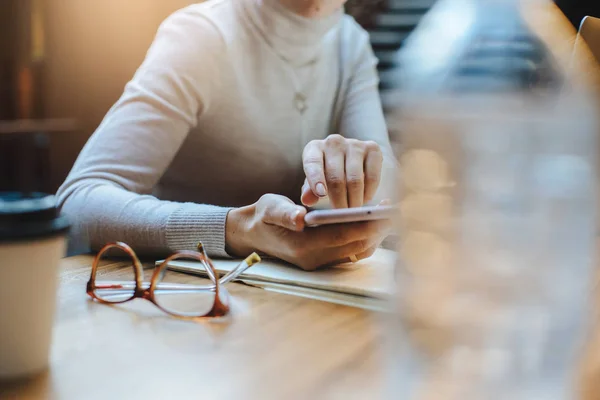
(238, 225)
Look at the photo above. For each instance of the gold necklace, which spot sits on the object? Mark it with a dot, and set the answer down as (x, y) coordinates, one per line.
(300, 100)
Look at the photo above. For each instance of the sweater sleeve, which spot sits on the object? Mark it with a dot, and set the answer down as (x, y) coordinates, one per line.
(362, 114)
(107, 194)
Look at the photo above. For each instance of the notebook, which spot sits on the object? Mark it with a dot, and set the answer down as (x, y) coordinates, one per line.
(365, 284)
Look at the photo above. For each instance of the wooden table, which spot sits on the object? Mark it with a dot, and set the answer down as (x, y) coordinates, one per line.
(273, 346)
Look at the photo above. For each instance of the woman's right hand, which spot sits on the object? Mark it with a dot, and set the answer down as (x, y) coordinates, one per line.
(275, 226)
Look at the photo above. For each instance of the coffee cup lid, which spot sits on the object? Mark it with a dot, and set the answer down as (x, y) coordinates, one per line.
(31, 216)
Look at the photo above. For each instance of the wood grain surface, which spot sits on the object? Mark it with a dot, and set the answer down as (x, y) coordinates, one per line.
(272, 346)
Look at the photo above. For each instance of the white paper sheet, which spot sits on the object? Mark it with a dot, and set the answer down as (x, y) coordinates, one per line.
(361, 282)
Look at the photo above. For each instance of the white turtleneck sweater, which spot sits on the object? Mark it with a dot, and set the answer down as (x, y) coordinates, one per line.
(211, 121)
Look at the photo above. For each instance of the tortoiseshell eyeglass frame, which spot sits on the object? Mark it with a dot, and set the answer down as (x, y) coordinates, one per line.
(220, 305)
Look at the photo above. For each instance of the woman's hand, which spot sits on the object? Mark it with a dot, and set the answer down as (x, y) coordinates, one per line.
(275, 226)
(346, 170)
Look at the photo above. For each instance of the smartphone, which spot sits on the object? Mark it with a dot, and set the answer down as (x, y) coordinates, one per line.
(348, 215)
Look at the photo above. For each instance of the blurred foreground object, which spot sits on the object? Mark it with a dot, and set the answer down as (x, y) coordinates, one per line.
(497, 226)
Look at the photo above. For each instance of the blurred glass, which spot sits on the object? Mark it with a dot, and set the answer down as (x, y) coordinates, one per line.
(497, 226)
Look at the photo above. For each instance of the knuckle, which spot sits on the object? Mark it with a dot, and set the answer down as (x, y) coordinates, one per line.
(335, 141)
(358, 152)
(283, 219)
(312, 150)
(354, 182)
(267, 198)
(355, 143)
(264, 208)
(313, 159)
(336, 183)
(372, 178)
(313, 172)
(372, 146)
(335, 176)
(315, 143)
(265, 215)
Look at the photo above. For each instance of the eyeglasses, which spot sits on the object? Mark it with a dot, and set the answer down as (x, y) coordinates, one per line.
(182, 295)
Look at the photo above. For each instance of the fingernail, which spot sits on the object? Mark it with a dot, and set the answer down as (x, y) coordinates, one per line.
(321, 191)
(295, 217)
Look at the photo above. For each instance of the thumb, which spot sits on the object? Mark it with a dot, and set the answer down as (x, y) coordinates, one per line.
(281, 211)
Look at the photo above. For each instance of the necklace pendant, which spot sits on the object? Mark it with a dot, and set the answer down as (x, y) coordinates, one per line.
(300, 103)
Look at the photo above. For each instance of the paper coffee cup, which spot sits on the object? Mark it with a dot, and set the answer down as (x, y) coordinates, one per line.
(32, 242)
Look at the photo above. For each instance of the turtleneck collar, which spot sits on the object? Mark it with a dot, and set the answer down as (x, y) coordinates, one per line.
(294, 38)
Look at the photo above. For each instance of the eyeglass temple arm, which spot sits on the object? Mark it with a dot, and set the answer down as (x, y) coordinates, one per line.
(230, 276)
(251, 260)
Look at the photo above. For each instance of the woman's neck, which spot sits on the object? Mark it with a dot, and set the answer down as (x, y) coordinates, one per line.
(313, 8)
(295, 38)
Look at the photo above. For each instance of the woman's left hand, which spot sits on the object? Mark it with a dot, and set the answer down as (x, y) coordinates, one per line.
(348, 171)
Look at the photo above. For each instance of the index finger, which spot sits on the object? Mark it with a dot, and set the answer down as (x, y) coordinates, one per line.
(312, 161)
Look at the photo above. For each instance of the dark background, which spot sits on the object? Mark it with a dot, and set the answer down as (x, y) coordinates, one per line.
(575, 10)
